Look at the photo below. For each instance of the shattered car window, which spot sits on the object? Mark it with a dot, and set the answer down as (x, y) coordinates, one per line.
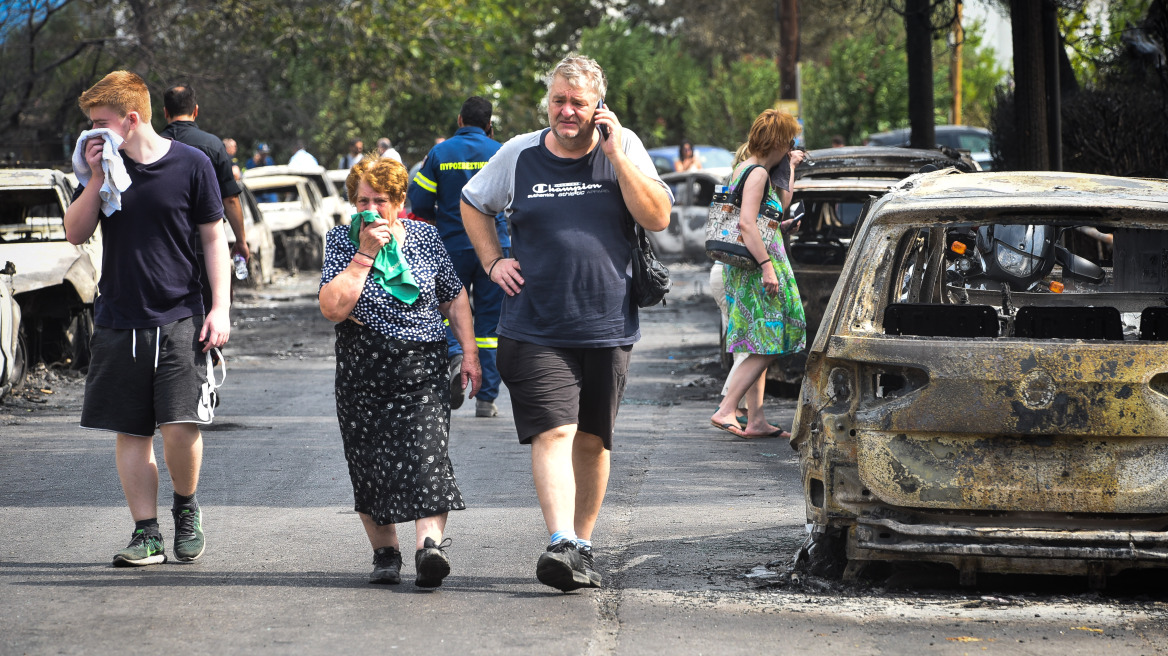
(31, 215)
(1029, 280)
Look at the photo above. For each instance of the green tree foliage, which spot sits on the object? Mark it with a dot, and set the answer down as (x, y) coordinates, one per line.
(328, 71)
(1094, 34)
(664, 95)
(862, 87)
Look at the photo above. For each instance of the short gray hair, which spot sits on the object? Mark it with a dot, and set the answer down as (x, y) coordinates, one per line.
(580, 71)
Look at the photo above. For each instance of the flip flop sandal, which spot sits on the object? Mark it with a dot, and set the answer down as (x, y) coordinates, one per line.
(733, 429)
(776, 433)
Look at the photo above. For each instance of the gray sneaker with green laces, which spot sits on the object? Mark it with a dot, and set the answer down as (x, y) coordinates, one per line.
(188, 533)
(144, 549)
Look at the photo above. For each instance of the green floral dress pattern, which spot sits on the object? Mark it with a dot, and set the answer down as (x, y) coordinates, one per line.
(758, 322)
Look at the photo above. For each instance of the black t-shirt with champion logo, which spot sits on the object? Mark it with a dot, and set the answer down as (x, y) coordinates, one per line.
(567, 219)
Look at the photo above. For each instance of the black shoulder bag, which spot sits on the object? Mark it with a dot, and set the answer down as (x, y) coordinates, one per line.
(650, 277)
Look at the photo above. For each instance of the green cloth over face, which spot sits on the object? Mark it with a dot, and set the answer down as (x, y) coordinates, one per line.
(389, 267)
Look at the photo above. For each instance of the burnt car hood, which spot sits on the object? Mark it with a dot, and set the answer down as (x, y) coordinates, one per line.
(875, 161)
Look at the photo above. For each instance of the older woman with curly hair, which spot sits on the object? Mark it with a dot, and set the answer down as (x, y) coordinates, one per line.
(388, 284)
(764, 312)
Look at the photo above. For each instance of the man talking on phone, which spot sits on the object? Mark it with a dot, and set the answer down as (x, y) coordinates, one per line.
(567, 326)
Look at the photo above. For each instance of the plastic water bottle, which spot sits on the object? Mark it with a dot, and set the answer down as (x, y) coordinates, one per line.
(240, 267)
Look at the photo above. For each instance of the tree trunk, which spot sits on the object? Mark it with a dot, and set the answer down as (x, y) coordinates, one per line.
(955, 68)
(919, 49)
(1030, 118)
(1052, 42)
(788, 49)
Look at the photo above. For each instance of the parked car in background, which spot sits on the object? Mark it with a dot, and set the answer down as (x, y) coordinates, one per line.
(295, 213)
(959, 137)
(260, 242)
(988, 388)
(13, 357)
(711, 157)
(685, 237)
(55, 282)
(332, 199)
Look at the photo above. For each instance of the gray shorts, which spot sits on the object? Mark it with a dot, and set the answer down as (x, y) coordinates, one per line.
(141, 379)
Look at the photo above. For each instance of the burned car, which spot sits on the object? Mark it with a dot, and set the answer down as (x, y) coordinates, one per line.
(296, 215)
(332, 198)
(989, 386)
(685, 236)
(55, 282)
(259, 241)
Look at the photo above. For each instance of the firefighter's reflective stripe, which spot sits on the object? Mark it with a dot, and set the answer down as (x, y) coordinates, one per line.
(425, 183)
(487, 342)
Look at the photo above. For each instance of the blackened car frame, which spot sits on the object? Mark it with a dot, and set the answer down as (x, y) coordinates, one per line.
(989, 386)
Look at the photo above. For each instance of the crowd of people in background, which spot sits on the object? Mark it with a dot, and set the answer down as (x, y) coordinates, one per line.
(490, 284)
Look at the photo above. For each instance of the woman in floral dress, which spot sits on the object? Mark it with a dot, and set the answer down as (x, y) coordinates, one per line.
(388, 283)
(764, 312)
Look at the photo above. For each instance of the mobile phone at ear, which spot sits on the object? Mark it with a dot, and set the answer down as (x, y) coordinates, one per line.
(603, 128)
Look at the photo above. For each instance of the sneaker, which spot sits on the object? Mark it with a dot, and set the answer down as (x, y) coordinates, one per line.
(486, 409)
(562, 568)
(431, 563)
(387, 562)
(144, 549)
(589, 566)
(457, 394)
(188, 533)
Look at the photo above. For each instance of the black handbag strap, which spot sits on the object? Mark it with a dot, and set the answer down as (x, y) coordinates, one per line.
(635, 233)
(736, 197)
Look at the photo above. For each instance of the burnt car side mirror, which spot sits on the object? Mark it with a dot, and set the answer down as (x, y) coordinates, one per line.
(1078, 268)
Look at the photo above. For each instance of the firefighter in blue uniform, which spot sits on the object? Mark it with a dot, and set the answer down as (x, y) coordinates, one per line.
(435, 193)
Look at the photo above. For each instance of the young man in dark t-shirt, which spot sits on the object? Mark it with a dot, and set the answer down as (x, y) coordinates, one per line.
(149, 365)
(567, 326)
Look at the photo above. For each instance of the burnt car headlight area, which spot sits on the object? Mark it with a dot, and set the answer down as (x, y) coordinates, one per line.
(994, 395)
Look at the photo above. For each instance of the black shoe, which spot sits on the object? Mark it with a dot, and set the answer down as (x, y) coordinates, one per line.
(144, 549)
(457, 394)
(589, 566)
(562, 568)
(431, 563)
(387, 562)
(189, 542)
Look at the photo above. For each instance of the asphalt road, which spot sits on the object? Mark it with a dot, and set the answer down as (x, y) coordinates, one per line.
(692, 520)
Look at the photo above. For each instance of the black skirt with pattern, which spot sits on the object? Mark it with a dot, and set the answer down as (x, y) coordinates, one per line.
(393, 405)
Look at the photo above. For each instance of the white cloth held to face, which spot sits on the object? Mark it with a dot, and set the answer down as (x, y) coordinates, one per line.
(116, 178)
